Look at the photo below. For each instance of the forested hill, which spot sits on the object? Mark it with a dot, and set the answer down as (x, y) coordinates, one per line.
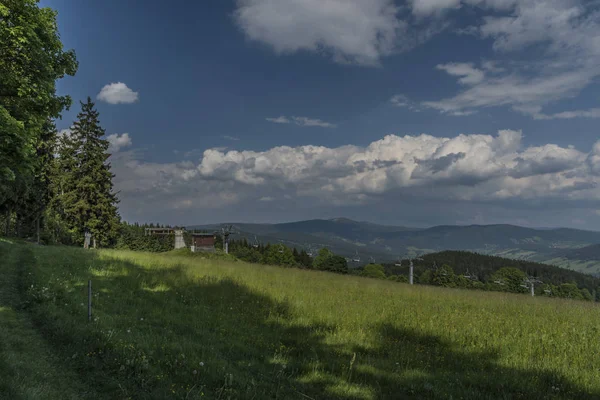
(484, 267)
(587, 253)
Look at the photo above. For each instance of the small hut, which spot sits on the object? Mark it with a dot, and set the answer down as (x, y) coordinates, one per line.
(203, 242)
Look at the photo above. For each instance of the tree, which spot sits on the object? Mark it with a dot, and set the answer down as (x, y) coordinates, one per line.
(31, 60)
(88, 200)
(373, 271)
(569, 291)
(304, 259)
(425, 278)
(337, 264)
(31, 208)
(326, 260)
(279, 255)
(320, 261)
(586, 295)
(512, 279)
(444, 276)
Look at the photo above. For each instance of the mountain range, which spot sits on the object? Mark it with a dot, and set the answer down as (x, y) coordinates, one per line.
(569, 248)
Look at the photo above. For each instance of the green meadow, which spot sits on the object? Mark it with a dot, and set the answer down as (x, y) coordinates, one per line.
(179, 326)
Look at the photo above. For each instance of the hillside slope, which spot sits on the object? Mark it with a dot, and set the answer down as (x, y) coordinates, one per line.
(168, 326)
(347, 237)
(587, 253)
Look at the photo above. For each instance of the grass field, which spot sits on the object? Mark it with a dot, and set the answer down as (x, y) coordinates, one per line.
(183, 327)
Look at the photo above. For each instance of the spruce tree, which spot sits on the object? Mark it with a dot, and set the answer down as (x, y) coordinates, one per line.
(88, 201)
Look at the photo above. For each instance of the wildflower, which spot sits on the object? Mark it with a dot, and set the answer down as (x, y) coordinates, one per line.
(195, 372)
(201, 364)
(141, 319)
(128, 330)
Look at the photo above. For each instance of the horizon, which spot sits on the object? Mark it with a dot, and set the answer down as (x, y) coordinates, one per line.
(364, 222)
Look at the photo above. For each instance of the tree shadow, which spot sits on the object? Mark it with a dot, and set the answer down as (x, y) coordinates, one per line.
(160, 334)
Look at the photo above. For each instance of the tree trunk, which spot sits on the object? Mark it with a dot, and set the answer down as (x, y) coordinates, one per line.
(37, 229)
(94, 242)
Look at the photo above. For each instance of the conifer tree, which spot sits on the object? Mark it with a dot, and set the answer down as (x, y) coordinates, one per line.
(87, 197)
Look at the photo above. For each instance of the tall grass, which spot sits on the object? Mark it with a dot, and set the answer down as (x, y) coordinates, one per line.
(172, 326)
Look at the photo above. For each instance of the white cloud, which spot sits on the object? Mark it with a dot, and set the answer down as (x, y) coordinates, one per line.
(351, 31)
(116, 93)
(233, 138)
(117, 142)
(301, 121)
(468, 73)
(565, 36)
(591, 113)
(426, 7)
(403, 101)
(279, 120)
(466, 168)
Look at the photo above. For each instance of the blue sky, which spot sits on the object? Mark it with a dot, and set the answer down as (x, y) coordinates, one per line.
(265, 111)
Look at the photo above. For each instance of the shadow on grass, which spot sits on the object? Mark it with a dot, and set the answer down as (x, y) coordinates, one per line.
(169, 337)
(7, 373)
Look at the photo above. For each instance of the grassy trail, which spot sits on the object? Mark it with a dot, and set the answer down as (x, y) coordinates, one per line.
(180, 327)
(29, 369)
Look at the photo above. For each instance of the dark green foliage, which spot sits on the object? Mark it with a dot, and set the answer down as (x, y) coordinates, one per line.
(485, 268)
(133, 237)
(511, 280)
(326, 260)
(31, 60)
(443, 276)
(85, 198)
(398, 278)
(425, 277)
(279, 255)
(373, 271)
(586, 295)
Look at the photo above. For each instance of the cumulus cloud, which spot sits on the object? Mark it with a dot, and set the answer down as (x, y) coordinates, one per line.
(117, 93)
(476, 168)
(565, 34)
(117, 142)
(351, 31)
(301, 121)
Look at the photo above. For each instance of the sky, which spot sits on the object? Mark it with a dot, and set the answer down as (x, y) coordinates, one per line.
(414, 113)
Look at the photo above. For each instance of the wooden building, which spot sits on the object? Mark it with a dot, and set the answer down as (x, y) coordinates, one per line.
(203, 242)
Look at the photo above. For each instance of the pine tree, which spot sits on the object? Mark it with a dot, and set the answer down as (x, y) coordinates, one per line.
(88, 201)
